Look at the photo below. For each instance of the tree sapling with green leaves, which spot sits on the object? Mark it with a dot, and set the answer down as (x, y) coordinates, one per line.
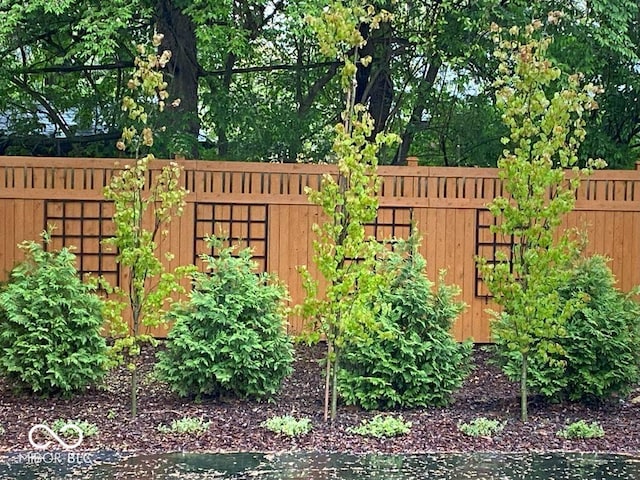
(343, 254)
(142, 211)
(540, 174)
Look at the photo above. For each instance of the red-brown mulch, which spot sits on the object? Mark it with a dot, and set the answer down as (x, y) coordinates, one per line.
(236, 424)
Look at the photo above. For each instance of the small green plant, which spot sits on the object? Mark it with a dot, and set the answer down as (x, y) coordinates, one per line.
(88, 429)
(230, 337)
(581, 430)
(481, 427)
(288, 425)
(111, 415)
(186, 426)
(383, 426)
(50, 325)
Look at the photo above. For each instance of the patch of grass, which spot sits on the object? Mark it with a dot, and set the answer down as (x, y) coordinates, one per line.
(481, 427)
(288, 425)
(581, 430)
(88, 429)
(186, 426)
(382, 426)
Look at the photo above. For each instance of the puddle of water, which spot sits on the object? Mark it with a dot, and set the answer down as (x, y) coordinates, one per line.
(306, 466)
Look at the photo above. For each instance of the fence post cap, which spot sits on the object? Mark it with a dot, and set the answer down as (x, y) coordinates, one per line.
(413, 161)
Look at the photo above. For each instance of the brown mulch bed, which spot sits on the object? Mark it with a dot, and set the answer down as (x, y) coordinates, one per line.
(236, 424)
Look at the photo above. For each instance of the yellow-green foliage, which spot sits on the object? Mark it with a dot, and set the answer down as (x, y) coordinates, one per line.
(150, 286)
(344, 255)
(544, 111)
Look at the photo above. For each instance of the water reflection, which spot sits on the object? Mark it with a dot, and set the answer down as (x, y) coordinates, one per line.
(311, 466)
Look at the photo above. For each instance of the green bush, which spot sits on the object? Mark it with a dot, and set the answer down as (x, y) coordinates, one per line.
(602, 346)
(60, 426)
(599, 353)
(50, 325)
(186, 426)
(414, 361)
(230, 337)
(481, 427)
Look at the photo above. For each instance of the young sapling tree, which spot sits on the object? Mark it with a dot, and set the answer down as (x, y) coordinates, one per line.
(540, 172)
(143, 208)
(344, 255)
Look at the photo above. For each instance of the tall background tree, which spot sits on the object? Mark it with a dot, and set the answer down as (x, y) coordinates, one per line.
(254, 86)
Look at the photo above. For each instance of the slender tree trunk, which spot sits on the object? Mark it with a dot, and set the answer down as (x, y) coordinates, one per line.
(327, 381)
(523, 389)
(134, 392)
(334, 385)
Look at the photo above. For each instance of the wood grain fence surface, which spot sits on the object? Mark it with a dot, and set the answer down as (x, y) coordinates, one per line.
(264, 206)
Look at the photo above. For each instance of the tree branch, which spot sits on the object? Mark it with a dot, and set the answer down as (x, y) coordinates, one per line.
(203, 73)
(53, 113)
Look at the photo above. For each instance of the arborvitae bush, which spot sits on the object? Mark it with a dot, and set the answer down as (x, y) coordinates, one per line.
(412, 360)
(230, 337)
(603, 337)
(50, 325)
(600, 354)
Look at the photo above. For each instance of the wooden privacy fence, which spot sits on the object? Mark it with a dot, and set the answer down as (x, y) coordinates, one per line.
(264, 206)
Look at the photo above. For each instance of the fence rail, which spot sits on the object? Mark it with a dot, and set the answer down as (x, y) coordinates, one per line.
(264, 206)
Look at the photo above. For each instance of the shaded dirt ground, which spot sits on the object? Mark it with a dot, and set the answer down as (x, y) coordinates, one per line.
(235, 424)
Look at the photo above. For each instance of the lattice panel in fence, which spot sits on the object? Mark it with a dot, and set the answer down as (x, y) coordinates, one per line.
(84, 225)
(241, 225)
(488, 244)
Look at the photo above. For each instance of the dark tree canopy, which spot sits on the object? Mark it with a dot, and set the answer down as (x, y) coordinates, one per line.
(253, 84)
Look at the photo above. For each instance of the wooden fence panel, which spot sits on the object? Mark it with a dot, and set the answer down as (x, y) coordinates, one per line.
(264, 206)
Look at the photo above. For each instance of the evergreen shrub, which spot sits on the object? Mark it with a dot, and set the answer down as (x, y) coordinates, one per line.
(230, 337)
(413, 360)
(599, 355)
(50, 325)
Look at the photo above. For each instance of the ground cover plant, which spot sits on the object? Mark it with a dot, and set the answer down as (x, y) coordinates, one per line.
(482, 427)
(88, 429)
(186, 426)
(50, 325)
(383, 426)
(288, 425)
(411, 359)
(230, 337)
(581, 430)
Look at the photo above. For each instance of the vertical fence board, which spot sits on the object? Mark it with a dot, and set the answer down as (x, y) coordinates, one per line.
(444, 203)
(7, 221)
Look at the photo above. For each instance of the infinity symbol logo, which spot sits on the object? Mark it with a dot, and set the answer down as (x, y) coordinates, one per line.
(52, 434)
